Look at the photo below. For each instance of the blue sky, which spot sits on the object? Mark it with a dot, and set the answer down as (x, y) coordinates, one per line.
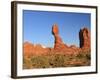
(37, 26)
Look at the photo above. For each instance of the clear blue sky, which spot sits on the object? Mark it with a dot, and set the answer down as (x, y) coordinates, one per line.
(37, 26)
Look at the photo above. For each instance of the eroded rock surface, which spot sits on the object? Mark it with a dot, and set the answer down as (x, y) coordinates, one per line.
(31, 49)
(58, 41)
(84, 37)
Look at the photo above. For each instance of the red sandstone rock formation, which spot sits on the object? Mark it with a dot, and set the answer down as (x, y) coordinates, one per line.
(27, 49)
(58, 41)
(31, 49)
(84, 37)
(59, 47)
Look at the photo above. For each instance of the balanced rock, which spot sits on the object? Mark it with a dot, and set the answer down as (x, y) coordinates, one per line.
(58, 45)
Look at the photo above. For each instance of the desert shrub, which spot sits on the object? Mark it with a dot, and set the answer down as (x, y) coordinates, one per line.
(80, 56)
(57, 60)
(88, 56)
(85, 55)
(40, 62)
(27, 64)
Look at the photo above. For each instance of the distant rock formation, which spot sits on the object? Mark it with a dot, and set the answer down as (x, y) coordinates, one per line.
(31, 49)
(27, 49)
(84, 37)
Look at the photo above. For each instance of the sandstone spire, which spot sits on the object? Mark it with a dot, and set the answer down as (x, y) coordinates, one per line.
(84, 37)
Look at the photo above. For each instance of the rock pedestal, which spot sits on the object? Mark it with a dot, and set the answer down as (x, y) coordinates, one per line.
(58, 45)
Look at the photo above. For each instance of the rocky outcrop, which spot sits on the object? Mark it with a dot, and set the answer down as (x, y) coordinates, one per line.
(27, 49)
(31, 49)
(84, 37)
(58, 45)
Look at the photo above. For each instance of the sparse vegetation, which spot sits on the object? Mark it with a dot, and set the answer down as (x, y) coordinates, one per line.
(57, 60)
